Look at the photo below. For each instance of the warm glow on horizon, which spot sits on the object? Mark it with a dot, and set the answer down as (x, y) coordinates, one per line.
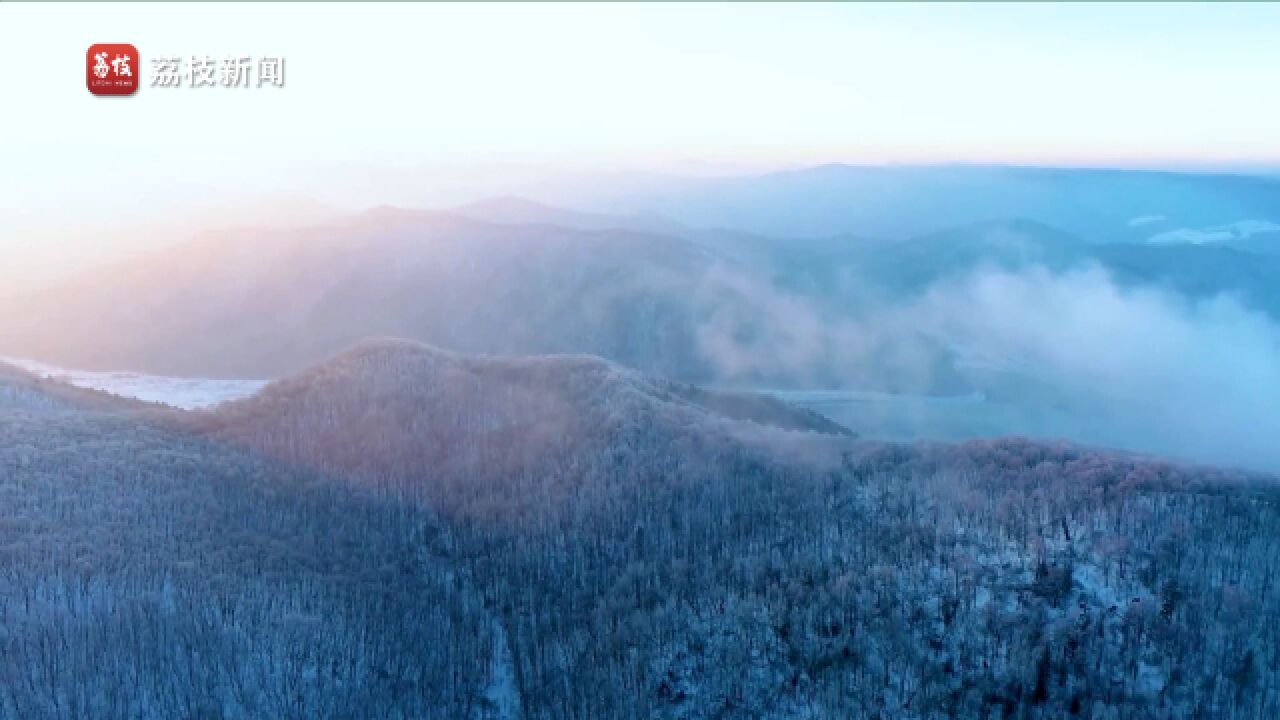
(416, 104)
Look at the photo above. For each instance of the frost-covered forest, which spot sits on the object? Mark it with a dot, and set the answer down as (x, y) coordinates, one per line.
(404, 533)
(640, 361)
(150, 575)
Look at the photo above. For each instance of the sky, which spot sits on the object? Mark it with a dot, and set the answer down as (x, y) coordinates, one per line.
(447, 98)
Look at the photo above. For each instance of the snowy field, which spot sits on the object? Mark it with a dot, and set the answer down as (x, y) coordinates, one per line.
(185, 393)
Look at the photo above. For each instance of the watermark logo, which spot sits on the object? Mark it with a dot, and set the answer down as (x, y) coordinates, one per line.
(231, 71)
(112, 69)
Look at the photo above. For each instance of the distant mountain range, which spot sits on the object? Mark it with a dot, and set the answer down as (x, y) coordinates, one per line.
(263, 303)
(1099, 205)
(512, 276)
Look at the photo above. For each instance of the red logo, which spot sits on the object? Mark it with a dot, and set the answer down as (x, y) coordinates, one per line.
(111, 69)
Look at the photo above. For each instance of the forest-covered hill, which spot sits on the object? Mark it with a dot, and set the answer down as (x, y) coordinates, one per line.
(152, 574)
(664, 568)
(404, 532)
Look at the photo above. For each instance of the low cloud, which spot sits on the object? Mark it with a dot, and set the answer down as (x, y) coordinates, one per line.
(1199, 379)
(754, 332)
(1073, 355)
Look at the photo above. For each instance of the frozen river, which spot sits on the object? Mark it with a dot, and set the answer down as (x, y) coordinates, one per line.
(185, 393)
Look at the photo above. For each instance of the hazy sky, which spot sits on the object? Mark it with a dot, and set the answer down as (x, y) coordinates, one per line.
(441, 93)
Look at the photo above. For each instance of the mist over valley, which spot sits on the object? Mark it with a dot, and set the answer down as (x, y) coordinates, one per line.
(991, 328)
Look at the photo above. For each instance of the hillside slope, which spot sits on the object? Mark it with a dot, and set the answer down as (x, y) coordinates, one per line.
(648, 558)
(402, 414)
(151, 575)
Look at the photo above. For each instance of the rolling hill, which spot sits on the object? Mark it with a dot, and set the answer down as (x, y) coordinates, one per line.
(450, 428)
(650, 557)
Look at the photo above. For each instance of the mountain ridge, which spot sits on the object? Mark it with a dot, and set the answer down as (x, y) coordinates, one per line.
(905, 200)
(456, 431)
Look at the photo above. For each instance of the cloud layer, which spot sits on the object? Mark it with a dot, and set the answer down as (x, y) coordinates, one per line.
(1072, 355)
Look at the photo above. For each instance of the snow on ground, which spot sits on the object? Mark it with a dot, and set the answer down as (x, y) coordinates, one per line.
(184, 393)
(502, 696)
